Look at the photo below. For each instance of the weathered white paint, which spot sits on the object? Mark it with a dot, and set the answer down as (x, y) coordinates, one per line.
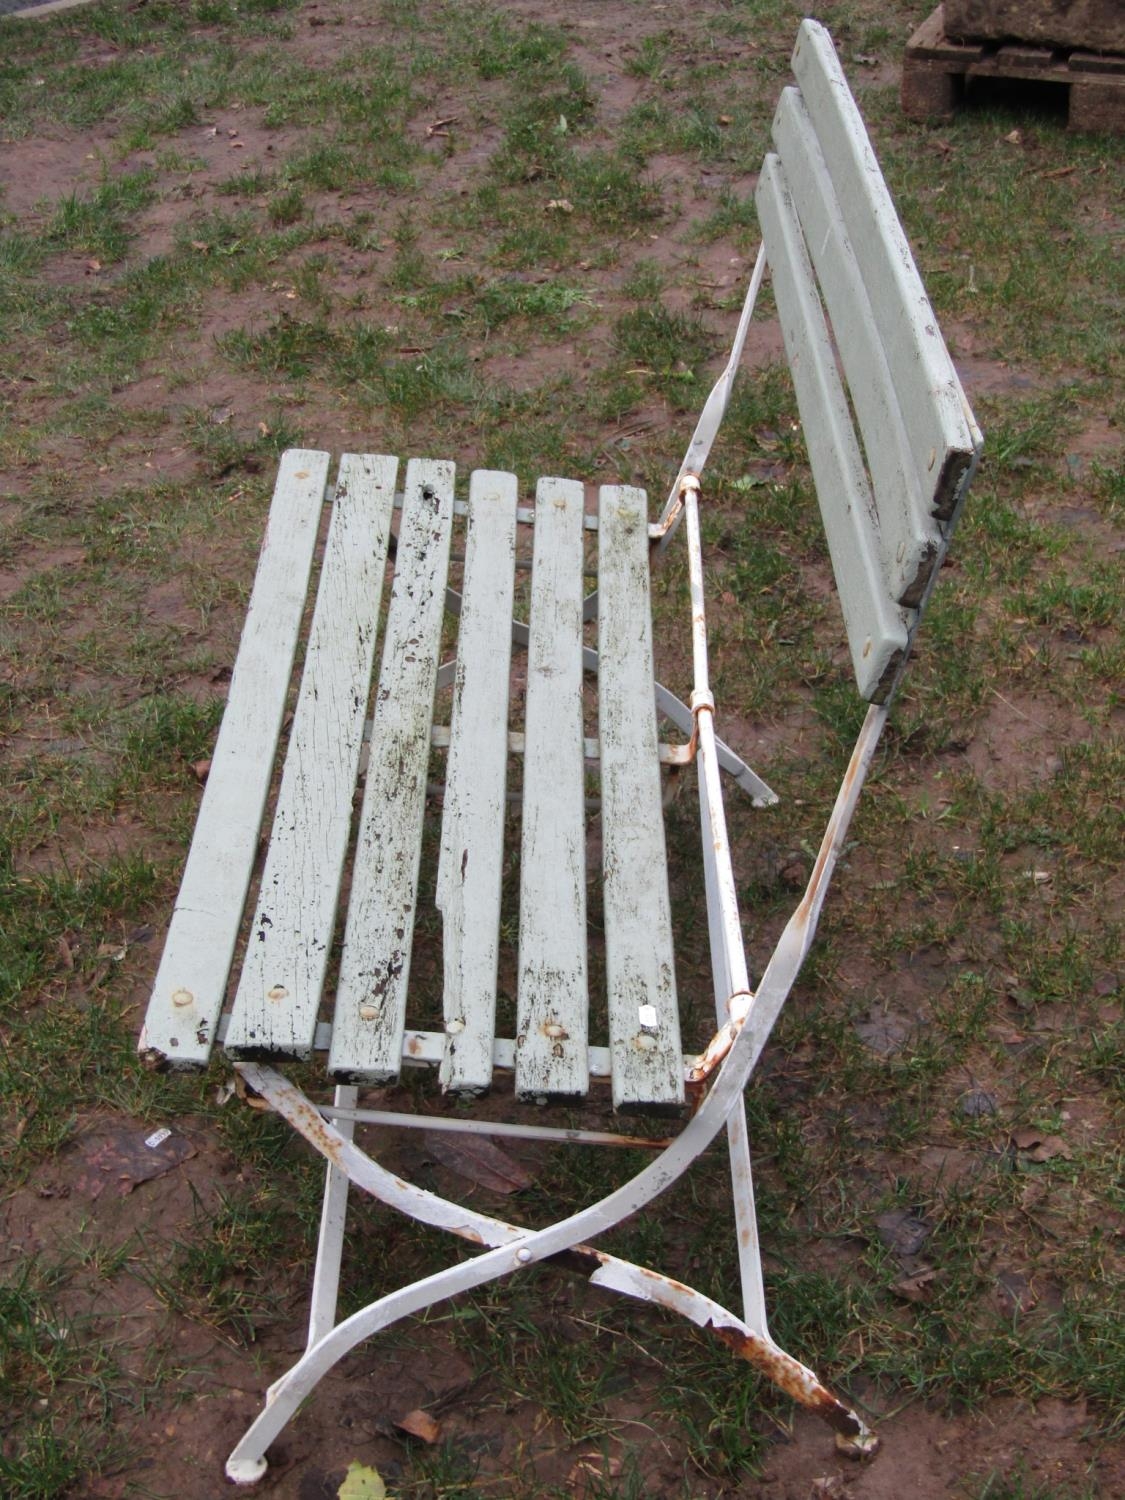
(644, 1027)
(190, 984)
(552, 991)
(375, 964)
(279, 990)
(677, 711)
(902, 479)
(941, 425)
(470, 868)
(876, 625)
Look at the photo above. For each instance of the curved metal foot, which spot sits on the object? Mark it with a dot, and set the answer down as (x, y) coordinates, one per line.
(513, 1249)
(245, 1471)
(865, 1443)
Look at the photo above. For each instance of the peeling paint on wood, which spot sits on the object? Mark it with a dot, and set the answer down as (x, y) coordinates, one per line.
(291, 931)
(470, 870)
(552, 949)
(201, 937)
(375, 965)
(644, 1029)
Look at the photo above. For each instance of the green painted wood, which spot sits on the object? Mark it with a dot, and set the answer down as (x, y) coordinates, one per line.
(279, 990)
(644, 1027)
(375, 963)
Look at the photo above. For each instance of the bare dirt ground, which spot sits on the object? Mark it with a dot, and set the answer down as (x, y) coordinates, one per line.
(174, 1432)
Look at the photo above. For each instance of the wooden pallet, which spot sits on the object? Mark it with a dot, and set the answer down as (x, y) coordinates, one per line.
(936, 70)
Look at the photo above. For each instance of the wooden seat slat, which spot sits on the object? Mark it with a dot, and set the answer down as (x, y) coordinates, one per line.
(190, 985)
(471, 864)
(644, 1028)
(552, 1028)
(279, 991)
(375, 963)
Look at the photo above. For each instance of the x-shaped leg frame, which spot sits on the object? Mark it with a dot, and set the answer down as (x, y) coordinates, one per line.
(511, 1248)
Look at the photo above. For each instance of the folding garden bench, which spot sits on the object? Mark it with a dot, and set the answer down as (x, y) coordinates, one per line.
(861, 339)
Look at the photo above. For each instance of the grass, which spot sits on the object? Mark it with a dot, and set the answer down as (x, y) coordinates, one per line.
(522, 245)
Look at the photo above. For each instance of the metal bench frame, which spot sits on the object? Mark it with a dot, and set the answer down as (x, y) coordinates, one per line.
(889, 497)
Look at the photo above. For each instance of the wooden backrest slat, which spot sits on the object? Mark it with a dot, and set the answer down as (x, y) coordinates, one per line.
(279, 990)
(644, 1024)
(910, 535)
(375, 963)
(877, 628)
(943, 434)
(471, 863)
(190, 984)
(552, 1028)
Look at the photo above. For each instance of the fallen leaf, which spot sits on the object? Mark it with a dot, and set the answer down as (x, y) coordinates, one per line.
(201, 769)
(126, 1156)
(1037, 1146)
(420, 1424)
(263, 430)
(479, 1160)
(977, 1102)
(362, 1483)
(560, 206)
(593, 1466)
(1014, 1293)
(914, 1288)
(903, 1232)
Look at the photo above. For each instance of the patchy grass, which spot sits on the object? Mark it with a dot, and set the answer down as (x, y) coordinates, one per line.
(226, 230)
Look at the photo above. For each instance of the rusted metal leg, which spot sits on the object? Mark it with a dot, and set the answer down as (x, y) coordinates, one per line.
(513, 1249)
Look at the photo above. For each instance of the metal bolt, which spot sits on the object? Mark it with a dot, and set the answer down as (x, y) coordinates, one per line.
(454, 1027)
(367, 1012)
(523, 1256)
(182, 997)
(278, 992)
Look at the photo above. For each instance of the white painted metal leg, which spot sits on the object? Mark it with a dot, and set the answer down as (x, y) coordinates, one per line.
(714, 409)
(746, 1224)
(333, 1217)
(523, 1248)
(515, 1249)
(748, 779)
